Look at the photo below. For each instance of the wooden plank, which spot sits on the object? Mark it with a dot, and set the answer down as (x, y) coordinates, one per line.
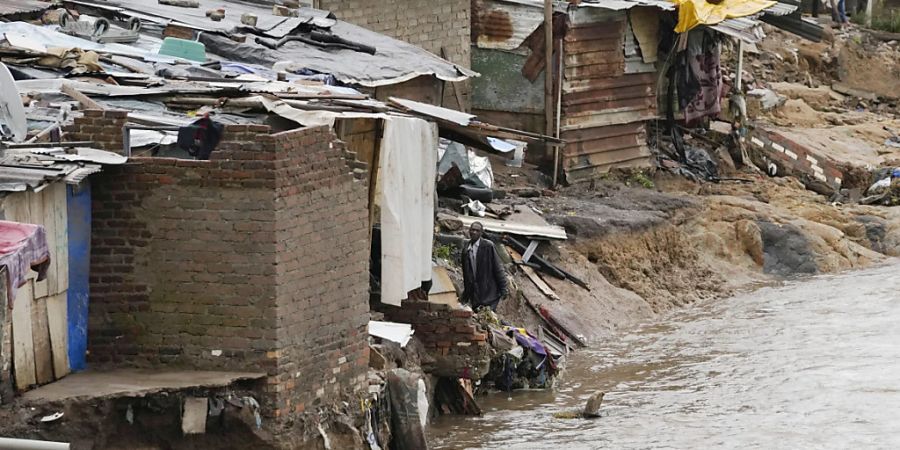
(591, 134)
(589, 85)
(645, 103)
(41, 213)
(603, 145)
(595, 71)
(23, 339)
(602, 159)
(58, 321)
(540, 283)
(603, 30)
(59, 193)
(639, 91)
(40, 329)
(597, 57)
(598, 45)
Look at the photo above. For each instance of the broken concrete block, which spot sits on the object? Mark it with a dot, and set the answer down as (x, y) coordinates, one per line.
(249, 19)
(193, 419)
(592, 408)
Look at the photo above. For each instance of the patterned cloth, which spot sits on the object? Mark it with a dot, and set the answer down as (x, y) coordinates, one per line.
(22, 247)
(703, 63)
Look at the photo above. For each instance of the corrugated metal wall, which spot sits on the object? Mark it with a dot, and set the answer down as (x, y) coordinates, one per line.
(604, 106)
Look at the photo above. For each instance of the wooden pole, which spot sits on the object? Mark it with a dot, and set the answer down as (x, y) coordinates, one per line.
(869, 7)
(548, 65)
(740, 65)
(559, 82)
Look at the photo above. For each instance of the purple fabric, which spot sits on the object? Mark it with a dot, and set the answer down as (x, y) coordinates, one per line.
(703, 60)
(22, 247)
(528, 342)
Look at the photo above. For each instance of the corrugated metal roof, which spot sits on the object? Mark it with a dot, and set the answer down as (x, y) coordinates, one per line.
(11, 7)
(31, 168)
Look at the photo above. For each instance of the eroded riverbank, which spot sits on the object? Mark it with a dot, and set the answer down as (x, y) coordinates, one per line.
(808, 364)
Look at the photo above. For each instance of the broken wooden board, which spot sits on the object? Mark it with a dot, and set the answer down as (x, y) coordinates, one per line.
(57, 319)
(193, 420)
(40, 329)
(509, 227)
(539, 282)
(23, 338)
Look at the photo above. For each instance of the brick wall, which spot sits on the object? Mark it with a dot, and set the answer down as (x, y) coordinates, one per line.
(452, 337)
(424, 23)
(252, 261)
(104, 128)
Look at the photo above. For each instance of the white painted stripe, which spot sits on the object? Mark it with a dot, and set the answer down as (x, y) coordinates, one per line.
(817, 169)
(820, 177)
(790, 153)
(838, 181)
(811, 159)
(757, 142)
(778, 147)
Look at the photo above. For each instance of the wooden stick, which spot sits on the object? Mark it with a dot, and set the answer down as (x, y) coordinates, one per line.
(84, 100)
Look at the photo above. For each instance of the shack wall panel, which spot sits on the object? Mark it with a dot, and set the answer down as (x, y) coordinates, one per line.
(78, 210)
(40, 329)
(23, 338)
(57, 324)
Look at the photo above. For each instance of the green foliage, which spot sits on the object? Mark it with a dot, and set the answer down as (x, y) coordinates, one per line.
(640, 178)
(883, 20)
(443, 252)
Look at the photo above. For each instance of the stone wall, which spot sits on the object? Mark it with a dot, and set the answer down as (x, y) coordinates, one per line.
(255, 261)
(424, 23)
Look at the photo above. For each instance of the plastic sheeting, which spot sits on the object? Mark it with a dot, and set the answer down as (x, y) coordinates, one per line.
(693, 13)
(408, 166)
(476, 170)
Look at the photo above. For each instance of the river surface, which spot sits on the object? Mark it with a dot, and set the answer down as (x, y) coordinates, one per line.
(808, 364)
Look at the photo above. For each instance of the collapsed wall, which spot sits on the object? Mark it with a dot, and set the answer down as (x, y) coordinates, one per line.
(254, 260)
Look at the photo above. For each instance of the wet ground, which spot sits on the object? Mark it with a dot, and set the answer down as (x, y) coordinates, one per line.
(809, 364)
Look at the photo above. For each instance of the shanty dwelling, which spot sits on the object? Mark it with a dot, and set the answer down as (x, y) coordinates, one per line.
(606, 78)
(230, 255)
(46, 212)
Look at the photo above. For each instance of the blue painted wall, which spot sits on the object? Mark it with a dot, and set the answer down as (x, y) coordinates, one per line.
(79, 229)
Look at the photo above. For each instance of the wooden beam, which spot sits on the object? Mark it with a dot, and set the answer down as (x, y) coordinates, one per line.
(84, 100)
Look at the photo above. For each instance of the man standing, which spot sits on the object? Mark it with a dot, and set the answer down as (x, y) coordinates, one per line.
(483, 275)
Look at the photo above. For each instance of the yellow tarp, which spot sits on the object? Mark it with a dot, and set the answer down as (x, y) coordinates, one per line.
(692, 13)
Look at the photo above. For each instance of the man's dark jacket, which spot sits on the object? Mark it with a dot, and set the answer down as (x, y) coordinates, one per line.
(489, 285)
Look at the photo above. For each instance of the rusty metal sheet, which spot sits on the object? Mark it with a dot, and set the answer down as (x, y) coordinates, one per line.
(503, 25)
(13, 7)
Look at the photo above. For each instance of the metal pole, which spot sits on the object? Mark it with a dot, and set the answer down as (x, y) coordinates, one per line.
(26, 444)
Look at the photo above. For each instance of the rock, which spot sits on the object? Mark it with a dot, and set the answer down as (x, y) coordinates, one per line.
(750, 237)
(592, 408)
(281, 11)
(448, 224)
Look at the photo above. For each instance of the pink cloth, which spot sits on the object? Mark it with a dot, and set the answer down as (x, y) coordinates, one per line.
(22, 247)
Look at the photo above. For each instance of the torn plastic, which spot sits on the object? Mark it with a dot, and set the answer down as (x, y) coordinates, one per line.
(476, 170)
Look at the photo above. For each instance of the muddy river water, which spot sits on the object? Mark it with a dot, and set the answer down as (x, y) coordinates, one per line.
(808, 364)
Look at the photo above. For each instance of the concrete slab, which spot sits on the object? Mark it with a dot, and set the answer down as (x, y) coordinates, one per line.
(131, 383)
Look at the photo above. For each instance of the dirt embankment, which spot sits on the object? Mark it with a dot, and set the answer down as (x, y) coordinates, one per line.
(647, 251)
